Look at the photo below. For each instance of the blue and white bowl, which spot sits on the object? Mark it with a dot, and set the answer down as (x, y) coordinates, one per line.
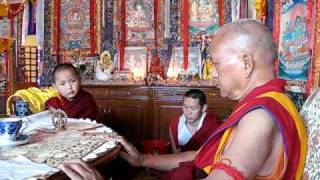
(10, 128)
(22, 108)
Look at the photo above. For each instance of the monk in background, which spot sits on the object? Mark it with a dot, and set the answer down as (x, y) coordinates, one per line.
(76, 102)
(263, 138)
(189, 131)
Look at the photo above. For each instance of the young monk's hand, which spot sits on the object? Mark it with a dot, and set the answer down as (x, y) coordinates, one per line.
(79, 170)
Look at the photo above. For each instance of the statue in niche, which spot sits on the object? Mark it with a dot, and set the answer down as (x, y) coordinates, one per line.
(104, 66)
(105, 61)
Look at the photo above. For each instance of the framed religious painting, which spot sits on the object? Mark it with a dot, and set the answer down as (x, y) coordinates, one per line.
(3, 70)
(134, 20)
(75, 27)
(176, 63)
(294, 33)
(5, 27)
(84, 65)
(104, 66)
(136, 61)
(203, 17)
(46, 66)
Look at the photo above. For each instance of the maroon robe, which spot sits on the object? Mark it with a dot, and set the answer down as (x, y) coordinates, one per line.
(209, 125)
(195, 169)
(82, 106)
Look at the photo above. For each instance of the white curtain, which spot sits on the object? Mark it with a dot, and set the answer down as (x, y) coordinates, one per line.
(235, 9)
(251, 9)
(40, 22)
(25, 20)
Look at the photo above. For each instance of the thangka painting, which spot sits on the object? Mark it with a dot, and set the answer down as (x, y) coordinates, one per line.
(5, 27)
(294, 52)
(203, 17)
(3, 71)
(227, 11)
(139, 21)
(79, 27)
(136, 60)
(176, 62)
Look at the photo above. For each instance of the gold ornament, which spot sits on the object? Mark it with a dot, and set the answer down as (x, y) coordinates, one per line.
(33, 1)
(4, 9)
(261, 8)
(105, 61)
(59, 119)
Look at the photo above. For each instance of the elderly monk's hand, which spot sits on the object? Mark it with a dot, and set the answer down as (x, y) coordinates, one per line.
(131, 154)
(79, 170)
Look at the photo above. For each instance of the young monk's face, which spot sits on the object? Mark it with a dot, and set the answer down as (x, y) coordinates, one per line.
(67, 83)
(192, 109)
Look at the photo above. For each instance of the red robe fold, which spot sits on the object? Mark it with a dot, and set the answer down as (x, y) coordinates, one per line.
(82, 106)
(270, 97)
(209, 125)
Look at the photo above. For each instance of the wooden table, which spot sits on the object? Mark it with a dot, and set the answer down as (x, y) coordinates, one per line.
(80, 140)
(104, 160)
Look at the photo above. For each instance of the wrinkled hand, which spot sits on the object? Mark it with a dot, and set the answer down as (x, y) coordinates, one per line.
(79, 170)
(131, 154)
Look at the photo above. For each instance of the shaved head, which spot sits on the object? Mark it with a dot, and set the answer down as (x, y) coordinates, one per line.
(243, 52)
(249, 36)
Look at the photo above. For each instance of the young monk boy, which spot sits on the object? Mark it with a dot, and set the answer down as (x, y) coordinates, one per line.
(76, 102)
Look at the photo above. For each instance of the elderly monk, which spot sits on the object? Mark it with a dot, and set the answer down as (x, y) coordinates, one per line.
(263, 138)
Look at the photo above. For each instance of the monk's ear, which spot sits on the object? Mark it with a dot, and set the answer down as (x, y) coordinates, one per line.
(204, 108)
(248, 63)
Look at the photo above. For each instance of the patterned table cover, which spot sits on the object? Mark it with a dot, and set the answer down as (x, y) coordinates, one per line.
(55, 147)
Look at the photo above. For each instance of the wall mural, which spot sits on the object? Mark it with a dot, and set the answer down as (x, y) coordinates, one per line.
(76, 37)
(5, 27)
(139, 22)
(75, 24)
(203, 17)
(46, 66)
(3, 70)
(295, 32)
(107, 29)
(294, 52)
(78, 29)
